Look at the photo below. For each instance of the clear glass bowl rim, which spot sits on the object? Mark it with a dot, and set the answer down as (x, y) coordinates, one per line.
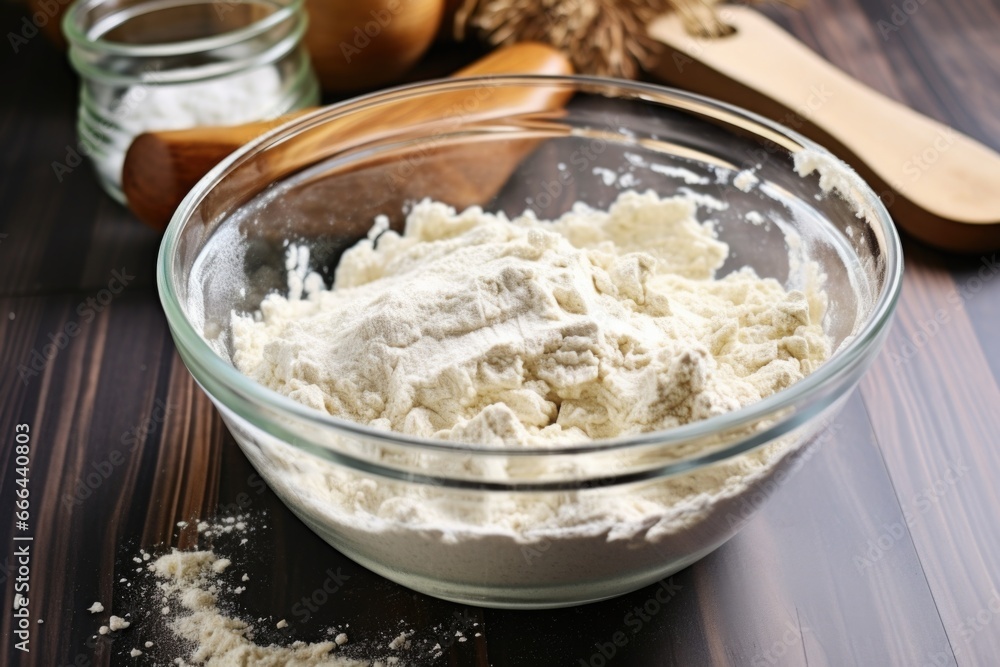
(188, 339)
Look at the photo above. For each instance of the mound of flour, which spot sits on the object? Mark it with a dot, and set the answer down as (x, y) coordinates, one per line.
(474, 328)
(470, 327)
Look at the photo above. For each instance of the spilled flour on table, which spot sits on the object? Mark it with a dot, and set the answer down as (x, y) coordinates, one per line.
(188, 579)
(185, 601)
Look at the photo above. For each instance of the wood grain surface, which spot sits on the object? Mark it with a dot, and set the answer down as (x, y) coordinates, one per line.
(883, 550)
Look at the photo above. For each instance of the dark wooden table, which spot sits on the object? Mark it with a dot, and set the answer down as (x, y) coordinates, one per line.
(883, 550)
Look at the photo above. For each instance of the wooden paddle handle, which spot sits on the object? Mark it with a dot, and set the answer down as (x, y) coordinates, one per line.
(939, 184)
(161, 167)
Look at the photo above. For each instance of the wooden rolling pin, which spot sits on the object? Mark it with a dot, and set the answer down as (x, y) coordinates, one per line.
(161, 167)
(940, 185)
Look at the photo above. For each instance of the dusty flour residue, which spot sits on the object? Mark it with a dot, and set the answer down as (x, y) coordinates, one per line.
(189, 580)
(745, 180)
(187, 601)
(834, 175)
(469, 327)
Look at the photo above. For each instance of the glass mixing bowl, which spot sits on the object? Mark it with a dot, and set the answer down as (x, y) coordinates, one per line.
(531, 527)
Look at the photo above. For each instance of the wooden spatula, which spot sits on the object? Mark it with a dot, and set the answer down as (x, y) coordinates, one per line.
(940, 185)
(161, 167)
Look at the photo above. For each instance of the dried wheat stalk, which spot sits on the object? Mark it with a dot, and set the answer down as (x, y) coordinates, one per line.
(604, 37)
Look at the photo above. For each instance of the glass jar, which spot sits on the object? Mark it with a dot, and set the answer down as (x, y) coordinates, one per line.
(173, 64)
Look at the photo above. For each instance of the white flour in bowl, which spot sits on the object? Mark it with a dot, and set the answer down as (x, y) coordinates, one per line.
(472, 328)
(477, 329)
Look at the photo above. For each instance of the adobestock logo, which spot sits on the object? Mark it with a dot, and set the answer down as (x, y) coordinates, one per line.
(899, 17)
(635, 620)
(309, 605)
(363, 35)
(87, 310)
(101, 471)
(48, 10)
(773, 654)
(876, 548)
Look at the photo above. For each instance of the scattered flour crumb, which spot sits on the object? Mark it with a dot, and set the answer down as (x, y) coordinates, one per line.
(627, 180)
(117, 623)
(701, 199)
(636, 160)
(745, 180)
(103, 630)
(96, 608)
(340, 639)
(220, 565)
(834, 174)
(217, 640)
(608, 176)
(135, 653)
(685, 175)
